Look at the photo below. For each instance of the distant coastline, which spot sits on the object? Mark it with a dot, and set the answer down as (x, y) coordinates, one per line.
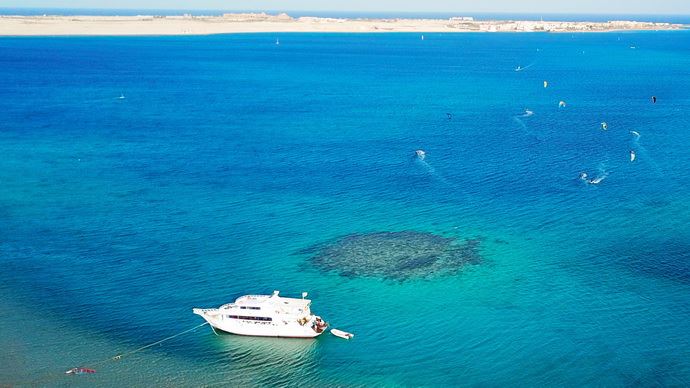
(559, 17)
(52, 25)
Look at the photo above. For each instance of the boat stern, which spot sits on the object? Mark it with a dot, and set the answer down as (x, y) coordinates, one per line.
(318, 325)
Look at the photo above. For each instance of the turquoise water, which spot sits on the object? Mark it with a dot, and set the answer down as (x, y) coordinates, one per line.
(230, 155)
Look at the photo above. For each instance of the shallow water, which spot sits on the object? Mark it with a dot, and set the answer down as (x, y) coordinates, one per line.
(230, 155)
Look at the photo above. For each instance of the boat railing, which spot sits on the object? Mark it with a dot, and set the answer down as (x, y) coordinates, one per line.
(255, 297)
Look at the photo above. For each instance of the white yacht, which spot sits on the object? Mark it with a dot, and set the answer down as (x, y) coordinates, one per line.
(266, 316)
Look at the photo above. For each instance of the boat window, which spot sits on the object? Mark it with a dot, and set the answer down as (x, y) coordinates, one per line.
(250, 308)
(265, 319)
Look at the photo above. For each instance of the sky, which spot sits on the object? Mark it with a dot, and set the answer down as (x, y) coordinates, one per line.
(668, 7)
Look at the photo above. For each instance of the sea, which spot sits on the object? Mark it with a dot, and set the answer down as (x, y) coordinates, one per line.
(143, 176)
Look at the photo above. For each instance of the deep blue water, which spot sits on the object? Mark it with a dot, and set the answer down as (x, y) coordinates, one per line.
(230, 155)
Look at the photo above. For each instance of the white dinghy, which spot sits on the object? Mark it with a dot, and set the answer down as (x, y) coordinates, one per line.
(342, 334)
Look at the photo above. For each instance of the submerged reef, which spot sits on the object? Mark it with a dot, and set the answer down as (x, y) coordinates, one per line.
(395, 255)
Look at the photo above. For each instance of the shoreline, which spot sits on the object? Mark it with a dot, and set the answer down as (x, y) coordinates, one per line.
(47, 25)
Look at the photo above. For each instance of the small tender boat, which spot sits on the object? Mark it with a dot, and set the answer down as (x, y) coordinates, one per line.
(266, 316)
(420, 154)
(80, 371)
(632, 155)
(342, 334)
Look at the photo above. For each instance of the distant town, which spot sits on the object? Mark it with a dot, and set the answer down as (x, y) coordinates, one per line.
(263, 22)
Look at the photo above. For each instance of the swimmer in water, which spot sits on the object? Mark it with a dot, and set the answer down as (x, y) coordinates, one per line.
(593, 181)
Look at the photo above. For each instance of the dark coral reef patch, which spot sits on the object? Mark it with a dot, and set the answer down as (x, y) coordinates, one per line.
(395, 255)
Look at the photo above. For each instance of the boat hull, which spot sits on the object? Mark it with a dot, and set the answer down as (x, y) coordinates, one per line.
(260, 335)
(282, 328)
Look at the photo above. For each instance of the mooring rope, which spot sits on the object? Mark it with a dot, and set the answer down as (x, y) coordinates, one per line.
(53, 375)
(119, 356)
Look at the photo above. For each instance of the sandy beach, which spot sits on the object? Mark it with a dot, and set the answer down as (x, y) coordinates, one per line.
(260, 22)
